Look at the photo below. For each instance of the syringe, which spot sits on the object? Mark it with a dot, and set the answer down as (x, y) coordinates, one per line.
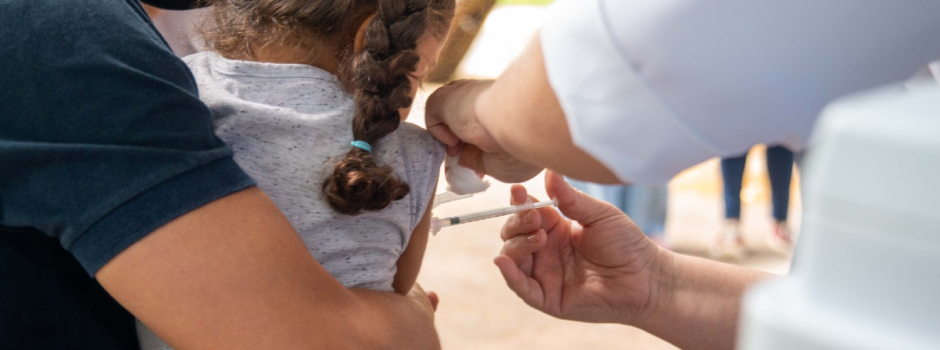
(437, 224)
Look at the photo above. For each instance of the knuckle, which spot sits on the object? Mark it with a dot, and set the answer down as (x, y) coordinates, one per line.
(513, 247)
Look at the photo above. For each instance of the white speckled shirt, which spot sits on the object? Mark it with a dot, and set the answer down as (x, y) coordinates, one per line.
(285, 123)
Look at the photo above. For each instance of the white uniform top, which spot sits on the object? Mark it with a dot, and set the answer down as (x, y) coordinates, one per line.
(653, 87)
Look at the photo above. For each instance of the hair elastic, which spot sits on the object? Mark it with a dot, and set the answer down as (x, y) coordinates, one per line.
(365, 146)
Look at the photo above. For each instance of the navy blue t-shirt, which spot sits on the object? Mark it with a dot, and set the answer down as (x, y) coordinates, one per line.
(103, 139)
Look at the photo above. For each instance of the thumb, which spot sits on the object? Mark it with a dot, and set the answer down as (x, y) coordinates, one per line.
(576, 205)
(442, 133)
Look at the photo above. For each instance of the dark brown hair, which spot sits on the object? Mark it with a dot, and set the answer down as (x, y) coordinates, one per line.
(378, 76)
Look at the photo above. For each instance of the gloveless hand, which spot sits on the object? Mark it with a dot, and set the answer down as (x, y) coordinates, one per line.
(451, 118)
(598, 268)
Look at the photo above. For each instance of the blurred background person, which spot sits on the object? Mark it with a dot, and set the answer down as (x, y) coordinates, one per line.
(729, 244)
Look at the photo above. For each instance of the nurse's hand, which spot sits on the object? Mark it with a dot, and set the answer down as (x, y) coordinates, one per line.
(598, 268)
(450, 117)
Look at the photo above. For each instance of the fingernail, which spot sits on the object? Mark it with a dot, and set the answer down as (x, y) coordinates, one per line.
(532, 238)
(527, 218)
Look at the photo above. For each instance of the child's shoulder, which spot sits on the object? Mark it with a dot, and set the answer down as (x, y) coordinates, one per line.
(418, 143)
(419, 135)
(423, 155)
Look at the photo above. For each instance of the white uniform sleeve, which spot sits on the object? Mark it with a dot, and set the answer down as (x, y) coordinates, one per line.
(653, 87)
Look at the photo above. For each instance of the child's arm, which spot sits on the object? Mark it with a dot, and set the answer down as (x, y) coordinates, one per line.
(409, 263)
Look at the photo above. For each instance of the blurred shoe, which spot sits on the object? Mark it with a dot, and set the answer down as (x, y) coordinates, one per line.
(781, 240)
(728, 245)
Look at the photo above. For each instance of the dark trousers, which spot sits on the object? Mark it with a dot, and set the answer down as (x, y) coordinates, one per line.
(779, 168)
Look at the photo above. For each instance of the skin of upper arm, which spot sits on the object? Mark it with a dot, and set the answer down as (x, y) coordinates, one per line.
(409, 263)
(522, 113)
(234, 274)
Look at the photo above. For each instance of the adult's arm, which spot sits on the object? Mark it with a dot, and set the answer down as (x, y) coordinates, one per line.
(700, 302)
(109, 161)
(234, 274)
(539, 133)
(649, 89)
(603, 269)
(517, 117)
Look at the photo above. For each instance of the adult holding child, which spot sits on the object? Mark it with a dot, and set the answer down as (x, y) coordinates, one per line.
(634, 92)
(316, 116)
(117, 198)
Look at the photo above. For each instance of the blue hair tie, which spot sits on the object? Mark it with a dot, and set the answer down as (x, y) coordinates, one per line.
(365, 146)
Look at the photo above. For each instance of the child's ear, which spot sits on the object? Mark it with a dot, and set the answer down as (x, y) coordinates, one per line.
(360, 43)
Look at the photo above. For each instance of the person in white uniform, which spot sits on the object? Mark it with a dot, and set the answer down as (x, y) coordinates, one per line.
(633, 92)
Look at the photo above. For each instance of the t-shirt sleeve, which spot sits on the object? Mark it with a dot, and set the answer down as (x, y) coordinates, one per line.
(103, 138)
(423, 158)
(652, 87)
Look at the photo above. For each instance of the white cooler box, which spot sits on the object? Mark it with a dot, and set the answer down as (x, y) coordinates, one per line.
(866, 273)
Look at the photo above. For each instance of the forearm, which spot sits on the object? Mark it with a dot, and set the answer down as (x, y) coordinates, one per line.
(699, 301)
(233, 274)
(522, 114)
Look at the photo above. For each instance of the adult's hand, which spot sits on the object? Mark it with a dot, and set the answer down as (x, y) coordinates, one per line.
(599, 268)
(451, 118)
(512, 127)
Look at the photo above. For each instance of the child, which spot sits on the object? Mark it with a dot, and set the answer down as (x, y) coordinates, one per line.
(286, 80)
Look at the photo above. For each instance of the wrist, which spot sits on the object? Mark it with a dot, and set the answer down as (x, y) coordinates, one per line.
(663, 288)
(482, 111)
